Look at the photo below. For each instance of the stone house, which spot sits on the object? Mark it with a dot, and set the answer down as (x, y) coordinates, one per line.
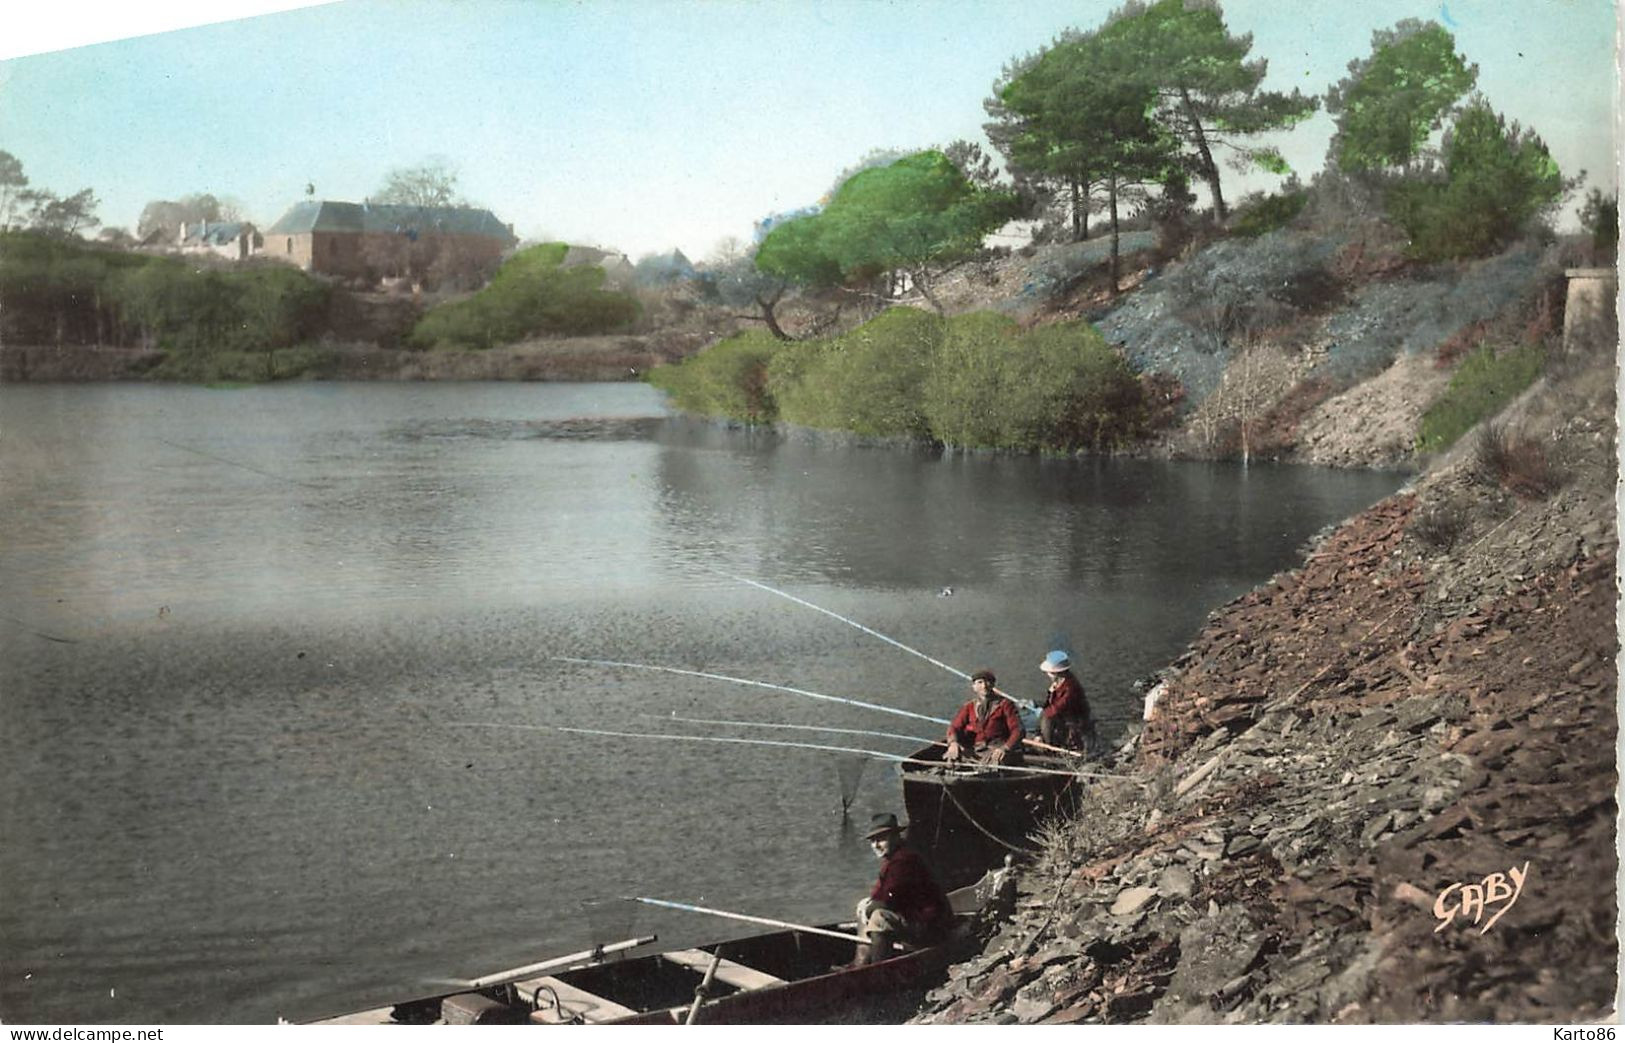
(374, 240)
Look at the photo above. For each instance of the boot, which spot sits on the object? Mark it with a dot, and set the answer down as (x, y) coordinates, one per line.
(859, 959)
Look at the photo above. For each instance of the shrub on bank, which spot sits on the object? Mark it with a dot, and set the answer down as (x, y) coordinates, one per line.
(728, 379)
(1058, 387)
(1261, 213)
(972, 380)
(1483, 384)
(866, 381)
(529, 296)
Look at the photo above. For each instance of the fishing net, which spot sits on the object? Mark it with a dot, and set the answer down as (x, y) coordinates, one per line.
(849, 770)
(610, 919)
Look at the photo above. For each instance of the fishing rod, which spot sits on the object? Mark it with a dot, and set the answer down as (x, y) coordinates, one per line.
(796, 727)
(748, 919)
(976, 768)
(1025, 703)
(849, 622)
(748, 681)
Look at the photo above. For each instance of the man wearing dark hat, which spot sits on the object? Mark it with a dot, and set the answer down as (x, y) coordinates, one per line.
(987, 727)
(906, 905)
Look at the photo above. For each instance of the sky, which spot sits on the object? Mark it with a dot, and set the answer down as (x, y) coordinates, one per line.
(645, 125)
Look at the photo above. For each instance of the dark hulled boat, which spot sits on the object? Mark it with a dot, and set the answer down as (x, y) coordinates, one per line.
(789, 976)
(967, 819)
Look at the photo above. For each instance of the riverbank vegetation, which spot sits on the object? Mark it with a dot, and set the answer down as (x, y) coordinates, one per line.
(975, 380)
(531, 295)
(58, 290)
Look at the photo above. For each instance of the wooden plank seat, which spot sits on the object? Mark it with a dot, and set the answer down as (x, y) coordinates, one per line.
(591, 1008)
(728, 972)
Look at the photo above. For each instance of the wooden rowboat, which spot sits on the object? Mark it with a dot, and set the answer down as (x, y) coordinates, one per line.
(790, 976)
(969, 820)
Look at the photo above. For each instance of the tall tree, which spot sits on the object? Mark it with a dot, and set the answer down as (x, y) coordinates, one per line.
(1497, 179)
(13, 183)
(1208, 90)
(430, 183)
(1086, 118)
(1392, 100)
(1057, 197)
(62, 216)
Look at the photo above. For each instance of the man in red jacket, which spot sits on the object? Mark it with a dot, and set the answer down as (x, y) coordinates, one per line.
(987, 728)
(907, 904)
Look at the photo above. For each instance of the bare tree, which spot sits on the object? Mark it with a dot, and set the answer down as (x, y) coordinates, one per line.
(431, 183)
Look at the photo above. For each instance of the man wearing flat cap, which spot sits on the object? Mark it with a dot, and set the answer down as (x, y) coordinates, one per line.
(986, 728)
(906, 905)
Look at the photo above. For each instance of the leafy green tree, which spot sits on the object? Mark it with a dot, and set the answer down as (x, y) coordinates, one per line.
(1061, 200)
(919, 216)
(1394, 99)
(1209, 96)
(1496, 180)
(1085, 117)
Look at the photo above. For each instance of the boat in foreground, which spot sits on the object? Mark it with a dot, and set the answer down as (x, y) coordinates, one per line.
(788, 976)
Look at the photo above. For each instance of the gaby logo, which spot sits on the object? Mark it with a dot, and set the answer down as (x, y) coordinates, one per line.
(1473, 900)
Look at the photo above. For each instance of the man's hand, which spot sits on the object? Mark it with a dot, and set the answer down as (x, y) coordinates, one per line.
(953, 751)
(996, 755)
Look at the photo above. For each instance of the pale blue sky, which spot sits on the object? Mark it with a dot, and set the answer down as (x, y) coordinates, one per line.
(647, 124)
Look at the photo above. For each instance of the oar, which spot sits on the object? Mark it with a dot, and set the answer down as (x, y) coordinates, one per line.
(748, 919)
(531, 969)
(703, 989)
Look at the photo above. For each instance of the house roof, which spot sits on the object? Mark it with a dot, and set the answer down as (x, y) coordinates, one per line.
(216, 234)
(326, 215)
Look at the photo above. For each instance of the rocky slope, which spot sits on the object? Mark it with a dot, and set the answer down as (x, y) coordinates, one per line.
(1429, 701)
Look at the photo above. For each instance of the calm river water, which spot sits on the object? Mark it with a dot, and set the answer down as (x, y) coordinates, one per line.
(267, 655)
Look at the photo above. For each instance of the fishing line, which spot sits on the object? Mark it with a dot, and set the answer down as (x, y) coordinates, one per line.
(797, 727)
(849, 622)
(234, 463)
(895, 758)
(962, 675)
(748, 681)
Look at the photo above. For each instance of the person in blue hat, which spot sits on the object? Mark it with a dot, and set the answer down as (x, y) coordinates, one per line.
(1065, 721)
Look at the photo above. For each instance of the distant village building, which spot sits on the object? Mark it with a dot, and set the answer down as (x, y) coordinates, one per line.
(368, 240)
(617, 269)
(664, 269)
(233, 240)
